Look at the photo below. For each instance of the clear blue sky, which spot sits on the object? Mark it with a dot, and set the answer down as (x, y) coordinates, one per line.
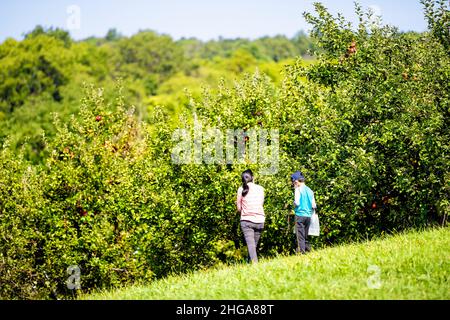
(190, 18)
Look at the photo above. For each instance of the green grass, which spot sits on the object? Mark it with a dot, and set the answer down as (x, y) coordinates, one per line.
(413, 265)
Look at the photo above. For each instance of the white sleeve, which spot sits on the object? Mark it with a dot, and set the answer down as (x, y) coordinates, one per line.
(239, 199)
(297, 197)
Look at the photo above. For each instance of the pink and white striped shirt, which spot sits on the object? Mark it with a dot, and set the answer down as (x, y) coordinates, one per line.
(251, 206)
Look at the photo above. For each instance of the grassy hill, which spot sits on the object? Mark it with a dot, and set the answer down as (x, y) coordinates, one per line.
(413, 265)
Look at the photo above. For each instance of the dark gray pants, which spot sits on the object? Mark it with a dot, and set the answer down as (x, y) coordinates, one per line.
(301, 231)
(252, 233)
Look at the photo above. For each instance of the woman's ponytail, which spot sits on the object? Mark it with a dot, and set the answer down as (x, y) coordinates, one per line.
(245, 188)
(247, 177)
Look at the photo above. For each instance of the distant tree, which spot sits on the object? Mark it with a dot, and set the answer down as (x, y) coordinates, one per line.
(28, 68)
(277, 48)
(150, 57)
(239, 61)
(113, 35)
(57, 33)
(191, 47)
(303, 43)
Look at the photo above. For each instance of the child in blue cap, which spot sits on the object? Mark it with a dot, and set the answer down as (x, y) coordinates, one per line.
(304, 206)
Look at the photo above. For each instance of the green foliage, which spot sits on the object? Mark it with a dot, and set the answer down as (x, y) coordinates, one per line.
(437, 13)
(33, 66)
(43, 74)
(113, 35)
(279, 47)
(375, 131)
(239, 61)
(90, 184)
(150, 57)
(367, 123)
(56, 33)
(20, 204)
(85, 206)
(266, 48)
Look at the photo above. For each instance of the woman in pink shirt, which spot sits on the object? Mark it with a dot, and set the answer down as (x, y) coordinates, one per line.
(250, 201)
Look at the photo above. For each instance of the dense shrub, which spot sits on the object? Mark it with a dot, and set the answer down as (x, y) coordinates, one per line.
(375, 130)
(20, 203)
(80, 208)
(367, 124)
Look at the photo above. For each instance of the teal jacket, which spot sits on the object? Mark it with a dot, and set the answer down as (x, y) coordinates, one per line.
(304, 202)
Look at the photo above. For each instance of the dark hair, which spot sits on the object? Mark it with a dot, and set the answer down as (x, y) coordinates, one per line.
(247, 176)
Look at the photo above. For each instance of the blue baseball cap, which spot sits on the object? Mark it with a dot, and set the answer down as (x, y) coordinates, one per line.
(297, 175)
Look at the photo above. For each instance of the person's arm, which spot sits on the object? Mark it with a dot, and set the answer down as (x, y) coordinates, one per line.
(262, 191)
(296, 197)
(239, 200)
